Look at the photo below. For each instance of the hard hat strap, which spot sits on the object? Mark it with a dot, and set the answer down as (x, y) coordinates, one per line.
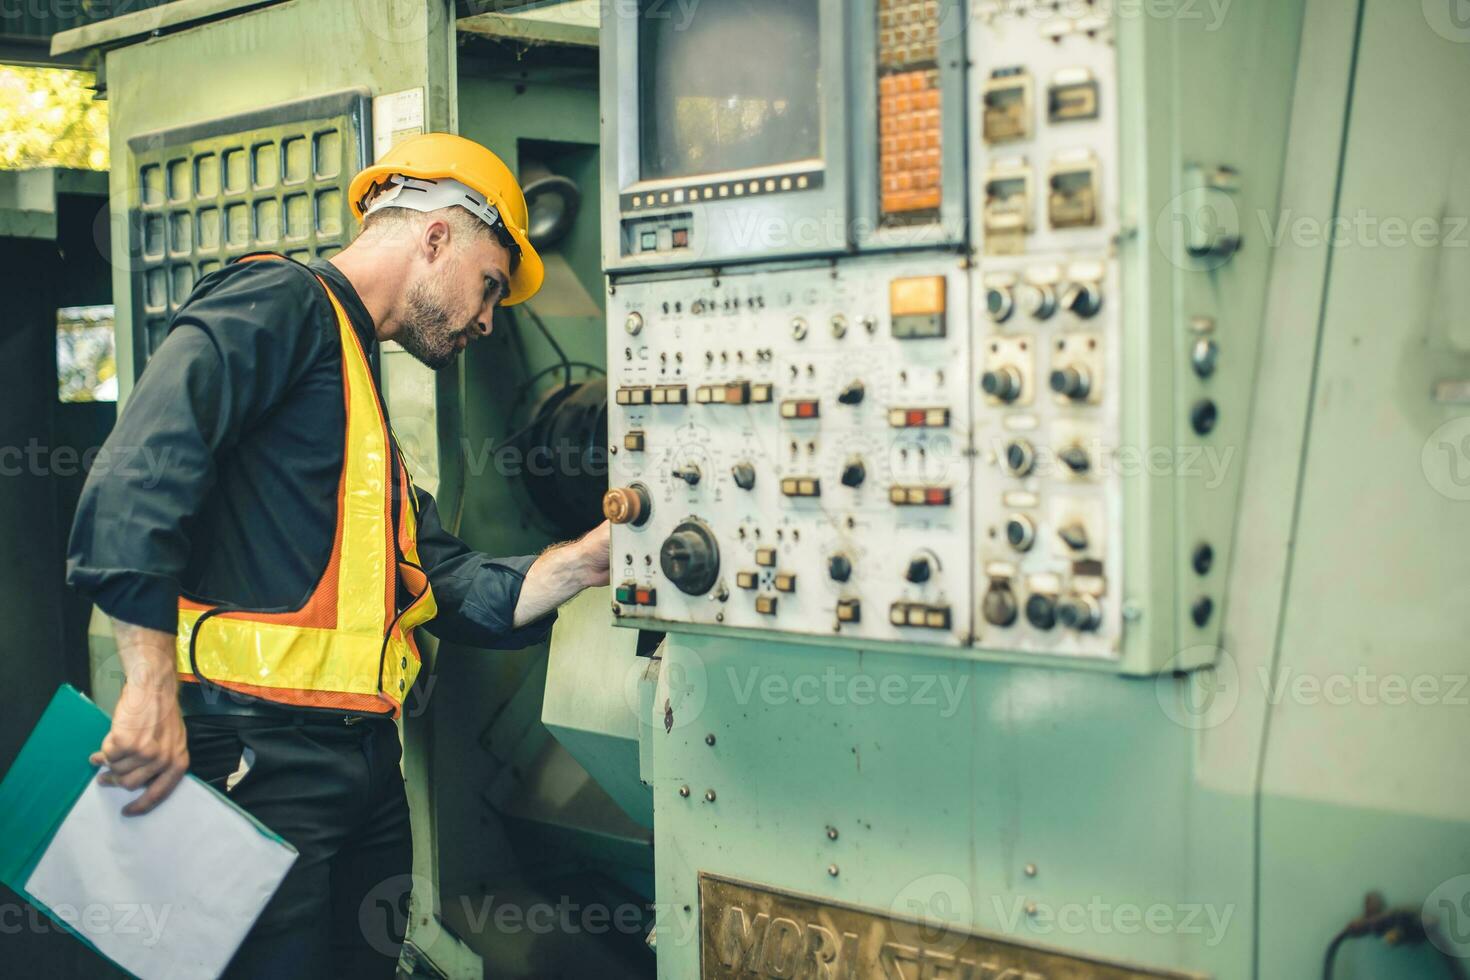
(418, 194)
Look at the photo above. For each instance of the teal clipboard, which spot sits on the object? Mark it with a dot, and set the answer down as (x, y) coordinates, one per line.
(45, 781)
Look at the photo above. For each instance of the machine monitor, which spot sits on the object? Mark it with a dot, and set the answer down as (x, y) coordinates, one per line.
(706, 110)
(729, 130)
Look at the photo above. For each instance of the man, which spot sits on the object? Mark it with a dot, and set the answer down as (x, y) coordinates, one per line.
(264, 585)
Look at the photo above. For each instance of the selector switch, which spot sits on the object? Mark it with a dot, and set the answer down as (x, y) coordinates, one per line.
(743, 473)
(690, 558)
(1083, 299)
(689, 473)
(853, 472)
(920, 569)
(1075, 458)
(852, 394)
(839, 567)
(1074, 536)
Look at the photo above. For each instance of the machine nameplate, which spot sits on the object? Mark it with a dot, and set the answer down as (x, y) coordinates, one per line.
(748, 930)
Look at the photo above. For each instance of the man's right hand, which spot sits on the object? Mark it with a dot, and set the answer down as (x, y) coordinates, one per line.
(147, 745)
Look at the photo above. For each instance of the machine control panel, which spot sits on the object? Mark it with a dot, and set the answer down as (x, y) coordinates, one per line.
(790, 427)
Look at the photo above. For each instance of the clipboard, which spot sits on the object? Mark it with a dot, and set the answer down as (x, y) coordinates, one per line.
(167, 895)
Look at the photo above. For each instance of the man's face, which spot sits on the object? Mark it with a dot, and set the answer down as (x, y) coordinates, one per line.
(453, 299)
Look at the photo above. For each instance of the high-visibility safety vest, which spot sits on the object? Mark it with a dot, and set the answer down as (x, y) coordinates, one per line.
(348, 647)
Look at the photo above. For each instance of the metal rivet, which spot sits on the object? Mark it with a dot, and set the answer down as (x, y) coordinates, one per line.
(1030, 871)
(832, 870)
(684, 791)
(403, 662)
(709, 739)
(400, 685)
(709, 796)
(1201, 610)
(1031, 909)
(831, 832)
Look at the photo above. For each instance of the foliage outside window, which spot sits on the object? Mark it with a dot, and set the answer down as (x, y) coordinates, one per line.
(50, 118)
(86, 354)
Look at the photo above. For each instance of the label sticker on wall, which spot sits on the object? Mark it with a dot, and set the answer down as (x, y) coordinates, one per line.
(396, 116)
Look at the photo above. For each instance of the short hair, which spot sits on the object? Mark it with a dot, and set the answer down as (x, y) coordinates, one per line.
(389, 220)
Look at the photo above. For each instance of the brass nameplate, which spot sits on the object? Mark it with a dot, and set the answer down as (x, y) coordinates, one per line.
(749, 930)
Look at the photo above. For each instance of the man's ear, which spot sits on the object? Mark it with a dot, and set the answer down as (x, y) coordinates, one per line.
(435, 239)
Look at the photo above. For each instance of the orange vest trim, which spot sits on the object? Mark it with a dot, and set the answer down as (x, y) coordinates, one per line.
(348, 647)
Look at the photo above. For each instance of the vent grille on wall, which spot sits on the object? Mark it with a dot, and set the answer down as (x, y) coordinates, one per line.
(274, 179)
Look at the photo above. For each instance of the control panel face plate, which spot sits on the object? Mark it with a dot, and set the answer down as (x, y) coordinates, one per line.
(840, 395)
(1047, 332)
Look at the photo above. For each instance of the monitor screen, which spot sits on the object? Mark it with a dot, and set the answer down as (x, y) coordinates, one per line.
(732, 85)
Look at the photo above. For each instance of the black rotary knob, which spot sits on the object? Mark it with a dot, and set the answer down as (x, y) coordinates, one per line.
(1074, 382)
(1080, 612)
(854, 472)
(852, 394)
(919, 570)
(839, 566)
(690, 558)
(1002, 383)
(1041, 611)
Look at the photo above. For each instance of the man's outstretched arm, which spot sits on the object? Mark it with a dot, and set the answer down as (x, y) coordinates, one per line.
(562, 571)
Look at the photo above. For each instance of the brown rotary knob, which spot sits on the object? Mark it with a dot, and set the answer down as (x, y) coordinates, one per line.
(626, 505)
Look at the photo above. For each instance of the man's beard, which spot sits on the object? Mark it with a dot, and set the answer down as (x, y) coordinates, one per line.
(426, 332)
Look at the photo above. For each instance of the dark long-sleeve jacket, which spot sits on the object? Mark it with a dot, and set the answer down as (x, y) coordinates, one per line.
(220, 479)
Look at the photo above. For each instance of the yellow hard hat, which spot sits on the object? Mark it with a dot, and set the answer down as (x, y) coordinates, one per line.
(435, 156)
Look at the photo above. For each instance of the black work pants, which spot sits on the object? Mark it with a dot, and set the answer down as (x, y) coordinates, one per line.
(335, 792)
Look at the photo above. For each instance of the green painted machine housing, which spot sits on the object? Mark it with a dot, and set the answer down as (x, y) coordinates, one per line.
(1054, 806)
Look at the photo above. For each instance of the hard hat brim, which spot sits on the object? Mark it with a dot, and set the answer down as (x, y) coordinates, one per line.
(525, 281)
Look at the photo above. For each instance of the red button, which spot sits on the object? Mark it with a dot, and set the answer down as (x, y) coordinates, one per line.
(936, 495)
(681, 237)
(806, 410)
(915, 417)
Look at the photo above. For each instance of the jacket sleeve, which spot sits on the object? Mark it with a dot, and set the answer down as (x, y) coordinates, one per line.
(476, 594)
(234, 349)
